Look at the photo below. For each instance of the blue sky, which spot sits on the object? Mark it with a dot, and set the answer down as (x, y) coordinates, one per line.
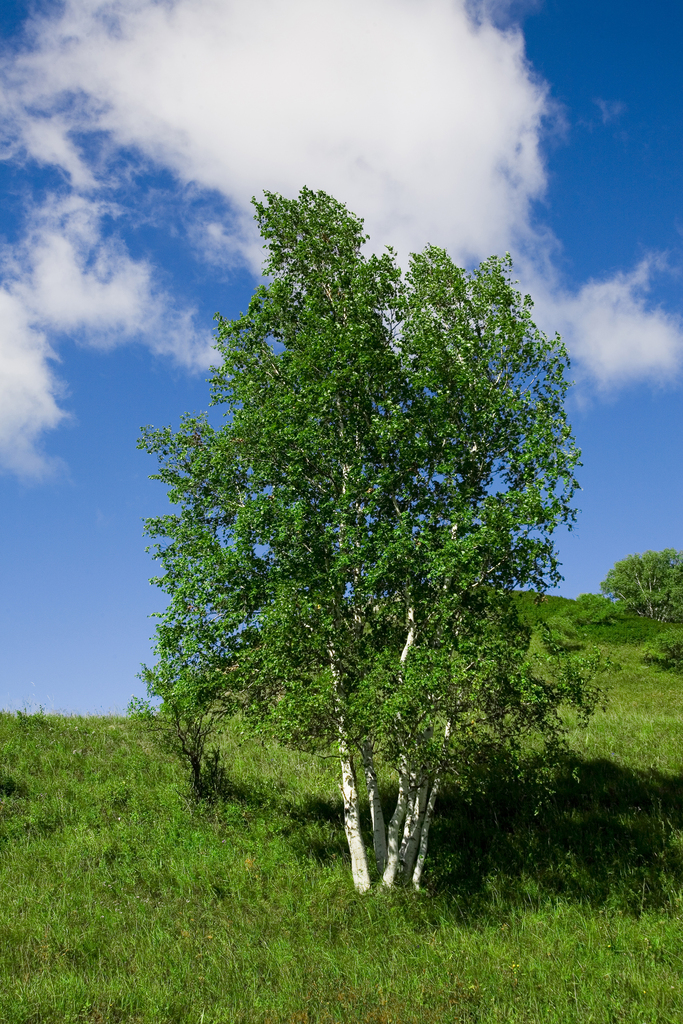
(133, 136)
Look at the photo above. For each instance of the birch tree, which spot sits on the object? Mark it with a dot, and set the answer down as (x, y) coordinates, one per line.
(650, 584)
(394, 461)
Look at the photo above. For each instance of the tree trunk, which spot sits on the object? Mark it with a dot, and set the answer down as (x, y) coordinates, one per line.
(392, 863)
(379, 834)
(404, 776)
(349, 787)
(419, 791)
(424, 834)
(413, 827)
(410, 813)
(354, 837)
(429, 814)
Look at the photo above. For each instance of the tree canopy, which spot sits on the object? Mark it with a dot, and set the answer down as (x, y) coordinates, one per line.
(650, 584)
(394, 461)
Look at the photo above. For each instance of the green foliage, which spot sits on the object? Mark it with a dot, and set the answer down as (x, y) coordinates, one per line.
(666, 650)
(586, 610)
(395, 459)
(573, 671)
(193, 706)
(650, 584)
(595, 610)
(620, 626)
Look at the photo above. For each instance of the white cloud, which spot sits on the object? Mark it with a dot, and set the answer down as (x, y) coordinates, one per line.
(610, 109)
(69, 278)
(72, 280)
(47, 140)
(423, 118)
(66, 279)
(409, 111)
(615, 336)
(29, 391)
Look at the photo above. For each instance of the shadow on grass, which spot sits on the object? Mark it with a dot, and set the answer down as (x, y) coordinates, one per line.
(610, 836)
(312, 826)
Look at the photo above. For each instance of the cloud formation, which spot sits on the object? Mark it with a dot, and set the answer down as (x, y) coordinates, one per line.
(29, 390)
(408, 110)
(610, 110)
(614, 334)
(66, 279)
(423, 115)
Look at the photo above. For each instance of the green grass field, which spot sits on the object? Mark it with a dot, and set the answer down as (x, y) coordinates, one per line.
(123, 901)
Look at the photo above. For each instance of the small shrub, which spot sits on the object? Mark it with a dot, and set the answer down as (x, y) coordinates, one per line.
(666, 650)
(184, 725)
(32, 720)
(595, 610)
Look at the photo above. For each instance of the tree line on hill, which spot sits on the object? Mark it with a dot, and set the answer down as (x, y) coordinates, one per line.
(394, 462)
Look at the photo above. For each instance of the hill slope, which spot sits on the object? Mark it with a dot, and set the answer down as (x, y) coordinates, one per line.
(122, 901)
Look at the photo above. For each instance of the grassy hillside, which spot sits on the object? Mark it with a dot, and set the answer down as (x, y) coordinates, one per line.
(122, 901)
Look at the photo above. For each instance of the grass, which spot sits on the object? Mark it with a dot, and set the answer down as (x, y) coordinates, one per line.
(121, 900)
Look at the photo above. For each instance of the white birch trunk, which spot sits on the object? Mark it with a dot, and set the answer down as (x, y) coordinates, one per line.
(379, 835)
(419, 791)
(412, 835)
(349, 789)
(410, 638)
(354, 836)
(410, 813)
(424, 834)
(429, 814)
(392, 864)
(397, 818)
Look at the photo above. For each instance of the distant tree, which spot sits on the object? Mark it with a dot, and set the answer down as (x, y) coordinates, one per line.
(394, 462)
(650, 584)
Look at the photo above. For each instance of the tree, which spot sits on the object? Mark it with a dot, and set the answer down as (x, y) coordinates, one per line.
(194, 703)
(650, 584)
(395, 460)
